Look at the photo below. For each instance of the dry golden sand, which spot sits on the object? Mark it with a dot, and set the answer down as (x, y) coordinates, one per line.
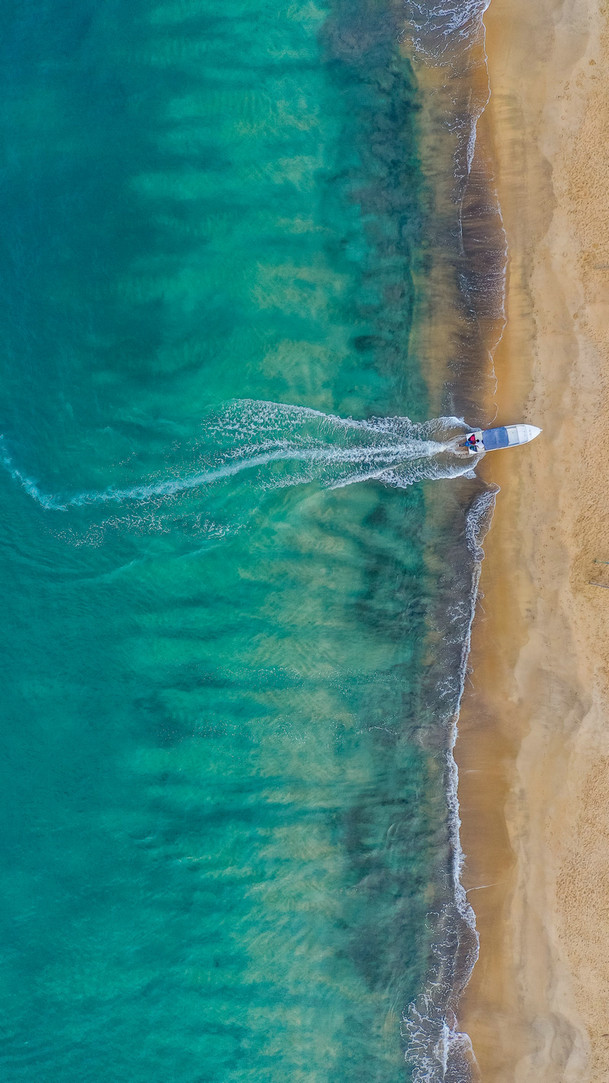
(534, 750)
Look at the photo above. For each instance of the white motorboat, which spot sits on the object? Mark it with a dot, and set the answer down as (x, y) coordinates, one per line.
(481, 440)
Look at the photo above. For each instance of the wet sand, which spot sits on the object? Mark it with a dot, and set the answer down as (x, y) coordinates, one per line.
(534, 733)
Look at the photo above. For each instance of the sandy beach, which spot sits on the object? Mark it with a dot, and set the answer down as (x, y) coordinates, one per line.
(533, 751)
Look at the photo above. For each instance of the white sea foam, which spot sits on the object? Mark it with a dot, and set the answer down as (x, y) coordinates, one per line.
(438, 1050)
(451, 34)
(273, 445)
(440, 28)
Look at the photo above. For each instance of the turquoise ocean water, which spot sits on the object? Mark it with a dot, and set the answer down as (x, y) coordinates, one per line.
(237, 585)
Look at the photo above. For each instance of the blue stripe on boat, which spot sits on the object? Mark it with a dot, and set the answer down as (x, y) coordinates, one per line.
(495, 438)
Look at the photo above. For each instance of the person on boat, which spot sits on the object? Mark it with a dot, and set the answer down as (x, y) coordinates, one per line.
(472, 443)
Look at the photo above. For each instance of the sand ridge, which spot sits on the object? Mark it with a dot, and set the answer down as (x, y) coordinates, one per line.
(534, 751)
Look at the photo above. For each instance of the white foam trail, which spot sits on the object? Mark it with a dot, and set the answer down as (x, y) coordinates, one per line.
(46, 501)
(247, 436)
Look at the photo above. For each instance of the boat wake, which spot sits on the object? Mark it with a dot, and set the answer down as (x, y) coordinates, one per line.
(271, 445)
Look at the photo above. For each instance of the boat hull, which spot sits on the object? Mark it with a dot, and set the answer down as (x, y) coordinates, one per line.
(481, 440)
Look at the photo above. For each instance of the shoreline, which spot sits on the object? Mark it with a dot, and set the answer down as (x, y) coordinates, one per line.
(532, 751)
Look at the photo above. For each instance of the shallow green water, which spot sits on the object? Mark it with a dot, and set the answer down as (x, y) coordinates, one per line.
(221, 832)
